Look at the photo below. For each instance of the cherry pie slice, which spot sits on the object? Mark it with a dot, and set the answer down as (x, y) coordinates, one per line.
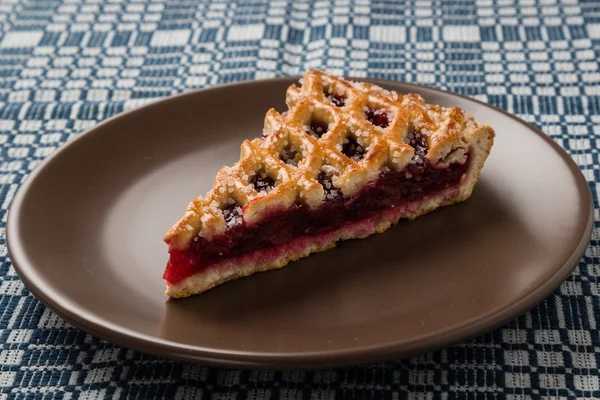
(346, 160)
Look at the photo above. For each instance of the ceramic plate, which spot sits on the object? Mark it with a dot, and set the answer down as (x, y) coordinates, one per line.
(85, 235)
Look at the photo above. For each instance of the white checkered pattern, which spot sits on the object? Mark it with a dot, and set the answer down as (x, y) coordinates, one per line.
(67, 64)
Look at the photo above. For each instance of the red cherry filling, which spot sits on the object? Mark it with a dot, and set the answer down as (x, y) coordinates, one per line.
(352, 149)
(262, 182)
(418, 142)
(317, 128)
(290, 156)
(378, 117)
(418, 164)
(331, 192)
(338, 100)
(233, 215)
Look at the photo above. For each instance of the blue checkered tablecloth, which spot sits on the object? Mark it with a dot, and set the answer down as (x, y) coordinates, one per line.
(67, 64)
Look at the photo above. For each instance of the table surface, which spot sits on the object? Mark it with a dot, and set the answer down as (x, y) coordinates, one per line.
(67, 64)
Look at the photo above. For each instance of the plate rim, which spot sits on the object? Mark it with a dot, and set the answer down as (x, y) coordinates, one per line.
(96, 325)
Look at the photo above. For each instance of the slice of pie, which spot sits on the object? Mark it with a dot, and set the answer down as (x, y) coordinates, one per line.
(346, 160)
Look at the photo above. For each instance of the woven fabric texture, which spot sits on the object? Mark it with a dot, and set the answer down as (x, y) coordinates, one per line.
(67, 64)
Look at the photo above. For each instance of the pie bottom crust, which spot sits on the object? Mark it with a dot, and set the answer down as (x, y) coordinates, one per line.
(279, 256)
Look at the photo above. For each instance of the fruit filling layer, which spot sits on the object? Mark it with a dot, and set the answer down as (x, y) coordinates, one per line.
(392, 188)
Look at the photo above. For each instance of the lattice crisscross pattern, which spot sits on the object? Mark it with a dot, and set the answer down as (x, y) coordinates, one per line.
(336, 137)
(68, 64)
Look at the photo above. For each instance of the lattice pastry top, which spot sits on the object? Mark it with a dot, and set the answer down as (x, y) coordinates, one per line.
(350, 131)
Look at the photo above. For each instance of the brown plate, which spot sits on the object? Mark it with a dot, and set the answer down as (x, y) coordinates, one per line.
(85, 235)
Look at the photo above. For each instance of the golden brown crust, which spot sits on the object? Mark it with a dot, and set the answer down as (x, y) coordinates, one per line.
(449, 133)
